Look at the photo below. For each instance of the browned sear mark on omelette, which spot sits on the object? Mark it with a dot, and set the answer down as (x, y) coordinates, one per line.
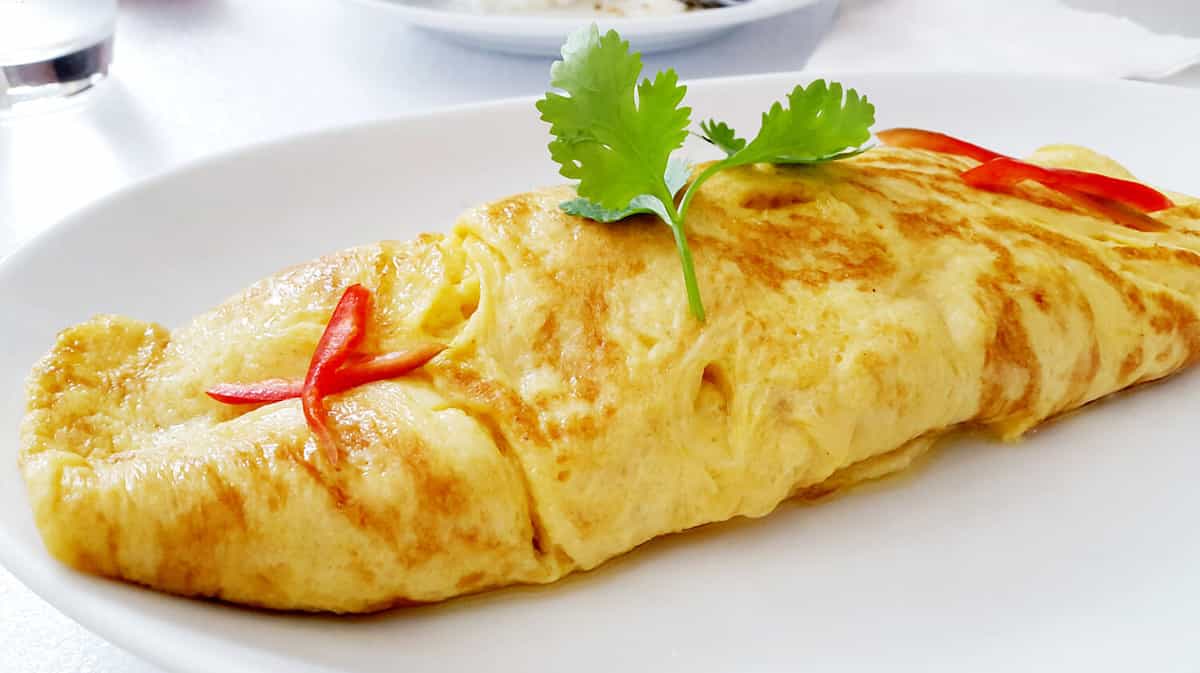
(1157, 253)
(1179, 319)
(487, 397)
(941, 164)
(1082, 376)
(1131, 364)
(591, 366)
(1009, 357)
(511, 209)
(499, 409)
(471, 581)
(888, 179)
(773, 200)
(230, 498)
(439, 493)
(804, 249)
(198, 534)
(1068, 248)
(934, 222)
(1040, 300)
(1050, 199)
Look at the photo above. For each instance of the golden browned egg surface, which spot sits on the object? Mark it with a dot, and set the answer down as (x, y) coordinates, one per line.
(857, 311)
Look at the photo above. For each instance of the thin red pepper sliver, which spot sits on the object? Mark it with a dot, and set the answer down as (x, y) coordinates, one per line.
(386, 366)
(1005, 172)
(936, 142)
(1120, 213)
(343, 333)
(358, 371)
(270, 390)
(1118, 205)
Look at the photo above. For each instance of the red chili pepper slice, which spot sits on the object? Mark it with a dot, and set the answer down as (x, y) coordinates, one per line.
(358, 371)
(1123, 201)
(271, 390)
(936, 142)
(343, 333)
(1004, 172)
(379, 367)
(1117, 212)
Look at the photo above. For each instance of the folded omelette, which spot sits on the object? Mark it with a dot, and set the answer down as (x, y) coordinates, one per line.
(858, 310)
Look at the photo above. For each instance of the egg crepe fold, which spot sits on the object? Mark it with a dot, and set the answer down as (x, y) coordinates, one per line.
(857, 311)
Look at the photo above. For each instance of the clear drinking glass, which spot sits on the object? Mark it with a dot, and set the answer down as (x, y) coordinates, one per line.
(52, 49)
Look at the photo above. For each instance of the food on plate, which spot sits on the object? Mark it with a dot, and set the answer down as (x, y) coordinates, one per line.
(532, 393)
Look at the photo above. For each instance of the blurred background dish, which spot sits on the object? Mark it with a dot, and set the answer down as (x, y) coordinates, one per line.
(538, 27)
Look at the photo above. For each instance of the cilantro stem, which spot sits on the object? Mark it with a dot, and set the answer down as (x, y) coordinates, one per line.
(677, 227)
(700, 179)
(685, 257)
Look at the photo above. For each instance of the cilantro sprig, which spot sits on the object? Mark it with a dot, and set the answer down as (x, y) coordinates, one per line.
(617, 136)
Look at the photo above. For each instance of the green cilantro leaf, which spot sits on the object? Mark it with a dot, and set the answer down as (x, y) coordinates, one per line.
(615, 136)
(721, 135)
(678, 172)
(612, 134)
(819, 124)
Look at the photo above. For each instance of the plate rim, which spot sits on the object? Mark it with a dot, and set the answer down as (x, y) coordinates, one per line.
(97, 618)
(535, 26)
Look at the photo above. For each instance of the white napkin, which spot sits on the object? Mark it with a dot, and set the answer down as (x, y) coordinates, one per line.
(996, 36)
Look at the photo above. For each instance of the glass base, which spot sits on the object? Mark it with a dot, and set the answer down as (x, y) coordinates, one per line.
(26, 86)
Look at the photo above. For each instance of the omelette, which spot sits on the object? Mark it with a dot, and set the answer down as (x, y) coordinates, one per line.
(858, 311)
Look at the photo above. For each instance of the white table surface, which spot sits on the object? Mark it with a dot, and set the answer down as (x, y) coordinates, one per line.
(197, 77)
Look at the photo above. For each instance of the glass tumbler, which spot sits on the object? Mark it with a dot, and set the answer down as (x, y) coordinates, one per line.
(52, 49)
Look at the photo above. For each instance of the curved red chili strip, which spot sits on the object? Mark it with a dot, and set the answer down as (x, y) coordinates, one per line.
(1082, 186)
(358, 371)
(936, 142)
(1005, 172)
(1120, 213)
(344, 331)
(271, 390)
(387, 366)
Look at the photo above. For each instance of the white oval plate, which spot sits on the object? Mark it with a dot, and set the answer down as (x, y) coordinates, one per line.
(1075, 550)
(543, 35)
